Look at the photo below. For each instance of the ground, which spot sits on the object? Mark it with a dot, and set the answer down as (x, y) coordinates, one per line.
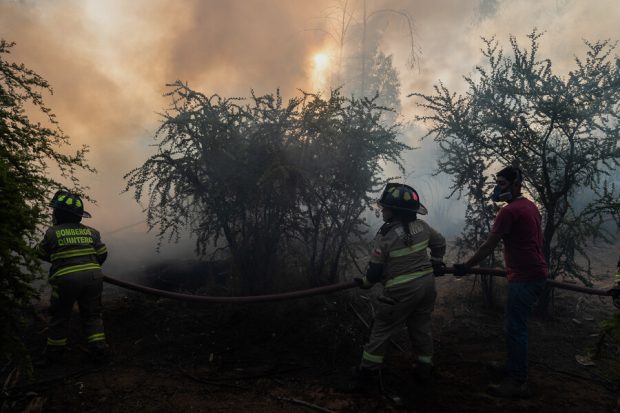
(295, 356)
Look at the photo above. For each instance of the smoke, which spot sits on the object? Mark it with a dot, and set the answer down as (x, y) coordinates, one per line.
(109, 61)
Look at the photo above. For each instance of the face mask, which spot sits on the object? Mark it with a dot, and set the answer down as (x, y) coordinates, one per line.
(501, 194)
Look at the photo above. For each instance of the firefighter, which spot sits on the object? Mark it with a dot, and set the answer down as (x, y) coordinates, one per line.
(399, 260)
(76, 254)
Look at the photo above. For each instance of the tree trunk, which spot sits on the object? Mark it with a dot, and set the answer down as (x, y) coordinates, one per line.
(542, 308)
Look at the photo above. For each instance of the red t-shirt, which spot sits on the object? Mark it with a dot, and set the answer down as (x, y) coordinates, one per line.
(519, 224)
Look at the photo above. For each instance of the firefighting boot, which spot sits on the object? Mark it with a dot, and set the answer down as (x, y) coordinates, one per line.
(100, 352)
(422, 373)
(364, 380)
(53, 355)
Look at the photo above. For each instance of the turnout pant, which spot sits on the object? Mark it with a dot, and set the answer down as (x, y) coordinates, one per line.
(85, 287)
(413, 305)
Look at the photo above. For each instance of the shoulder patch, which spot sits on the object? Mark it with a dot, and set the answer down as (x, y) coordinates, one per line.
(377, 252)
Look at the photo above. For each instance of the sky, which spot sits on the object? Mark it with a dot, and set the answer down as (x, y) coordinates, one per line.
(109, 62)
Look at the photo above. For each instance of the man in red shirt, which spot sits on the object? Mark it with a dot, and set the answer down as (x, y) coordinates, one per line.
(518, 224)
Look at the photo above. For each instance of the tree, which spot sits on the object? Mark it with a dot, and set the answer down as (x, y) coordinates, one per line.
(382, 81)
(562, 131)
(348, 140)
(26, 150)
(369, 71)
(270, 182)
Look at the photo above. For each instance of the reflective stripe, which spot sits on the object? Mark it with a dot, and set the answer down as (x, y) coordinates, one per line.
(410, 249)
(56, 342)
(102, 250)
(408, 277)
(76, 268)
(618, 278)
(72, 253)
(425, 359)
(372, 358)
(96, 337)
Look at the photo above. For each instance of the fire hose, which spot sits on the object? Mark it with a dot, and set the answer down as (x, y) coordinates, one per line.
(333, 288)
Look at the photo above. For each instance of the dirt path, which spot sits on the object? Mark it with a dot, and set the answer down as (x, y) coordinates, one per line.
(294, 356)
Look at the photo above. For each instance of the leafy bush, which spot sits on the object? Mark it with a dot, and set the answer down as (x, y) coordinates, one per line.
(271, 182)
(27, 148)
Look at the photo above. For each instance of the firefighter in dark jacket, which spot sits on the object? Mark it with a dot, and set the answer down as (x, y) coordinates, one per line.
(76, 254)
(400, 262)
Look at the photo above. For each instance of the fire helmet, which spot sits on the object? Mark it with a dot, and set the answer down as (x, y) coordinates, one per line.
(401, 197)
(68, 202)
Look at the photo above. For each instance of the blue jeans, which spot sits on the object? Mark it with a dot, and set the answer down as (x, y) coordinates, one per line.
(521, 299)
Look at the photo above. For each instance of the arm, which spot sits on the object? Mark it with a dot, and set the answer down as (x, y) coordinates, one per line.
(374, 272)
(376, 263)
(100, 248)
(43, 249)
(437, 245)
(485, 249)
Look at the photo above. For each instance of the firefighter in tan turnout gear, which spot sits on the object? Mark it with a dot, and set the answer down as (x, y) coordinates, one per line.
(400, 261)
(76, 254)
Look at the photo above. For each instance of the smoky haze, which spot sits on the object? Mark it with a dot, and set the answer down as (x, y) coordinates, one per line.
(108, 63)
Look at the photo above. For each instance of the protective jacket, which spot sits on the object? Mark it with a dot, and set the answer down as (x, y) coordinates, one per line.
(403, 256)
(72, 247)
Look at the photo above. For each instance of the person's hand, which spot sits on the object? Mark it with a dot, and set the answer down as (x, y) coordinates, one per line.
(615, 294)
(460, 269)
(363, 283)
(439, 268)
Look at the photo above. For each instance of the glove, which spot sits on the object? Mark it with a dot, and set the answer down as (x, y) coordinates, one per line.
(460, 270)
(439, 268)
(363, 283)
(615, 294)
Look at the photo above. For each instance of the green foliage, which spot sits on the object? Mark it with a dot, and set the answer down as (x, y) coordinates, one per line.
(612, 324)
(272, 182)
(562, 131)
(26, 150)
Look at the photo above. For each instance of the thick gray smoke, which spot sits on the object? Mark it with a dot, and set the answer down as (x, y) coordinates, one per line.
(108, 63)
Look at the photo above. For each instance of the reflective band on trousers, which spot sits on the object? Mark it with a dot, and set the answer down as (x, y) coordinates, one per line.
(76, 268)
(618, 278)
(56, 342)
(79, 252)
(425, 359)
(420, 246)
(408, 277)
(96, 337)
(372, 358)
